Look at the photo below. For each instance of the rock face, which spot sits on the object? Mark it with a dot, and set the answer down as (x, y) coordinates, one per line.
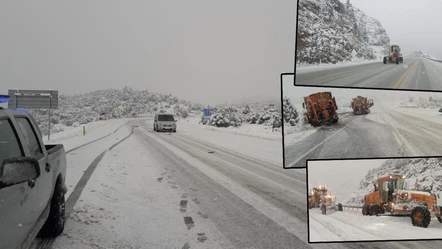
(422, 54)
(428, 172)
(330, 31)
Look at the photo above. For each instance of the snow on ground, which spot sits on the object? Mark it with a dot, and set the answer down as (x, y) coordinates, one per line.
(79, 160)
(351, 225)
(73, 136)
(249, 130)
(125, 205)
(249, 142)
(309, 68)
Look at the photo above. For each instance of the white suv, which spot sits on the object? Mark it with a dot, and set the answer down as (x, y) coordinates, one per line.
(164, 122)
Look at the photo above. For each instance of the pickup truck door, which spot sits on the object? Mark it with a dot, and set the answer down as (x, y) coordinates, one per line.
(37, 150)
(16, 201)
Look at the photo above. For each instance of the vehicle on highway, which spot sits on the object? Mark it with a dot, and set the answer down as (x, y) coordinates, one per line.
(361, 105)
(32, 181)
(321, 109)
(164, 122)
(394, 56)
(390, 196)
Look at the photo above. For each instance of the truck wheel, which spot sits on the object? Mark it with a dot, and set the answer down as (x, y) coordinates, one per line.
(54, 225)
(385, 60)
(420, 217)
(439, 219)
(365, 210)
(324, 209)
(397, 61)
(374, 210)
(154, 128)
(340, 207)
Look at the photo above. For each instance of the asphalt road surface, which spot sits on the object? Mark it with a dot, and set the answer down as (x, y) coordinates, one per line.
(414, 73)
(392, 134)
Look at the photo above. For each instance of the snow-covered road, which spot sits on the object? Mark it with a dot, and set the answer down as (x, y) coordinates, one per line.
(351, 225)
(414, 73)
(188, 189)
(387, 131)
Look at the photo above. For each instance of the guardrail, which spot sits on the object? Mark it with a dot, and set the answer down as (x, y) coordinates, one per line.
(352, 207)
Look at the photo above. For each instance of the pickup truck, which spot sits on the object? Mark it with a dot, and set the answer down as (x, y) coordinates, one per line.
(32, 182)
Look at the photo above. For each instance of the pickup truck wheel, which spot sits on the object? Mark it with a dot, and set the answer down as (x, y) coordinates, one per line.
(54, 225)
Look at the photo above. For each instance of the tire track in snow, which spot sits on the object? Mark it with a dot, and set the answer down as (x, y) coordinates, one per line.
(73, 198)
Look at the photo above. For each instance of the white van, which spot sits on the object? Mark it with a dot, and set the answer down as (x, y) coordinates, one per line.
(164, 122)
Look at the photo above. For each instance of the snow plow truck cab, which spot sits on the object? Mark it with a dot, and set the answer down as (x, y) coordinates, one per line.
(361, 105)
(394, 56)
(390, 198)
(321, 109)
(315, 196)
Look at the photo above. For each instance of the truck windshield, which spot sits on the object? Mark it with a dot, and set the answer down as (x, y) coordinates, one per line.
(8, 142)
(165, 118)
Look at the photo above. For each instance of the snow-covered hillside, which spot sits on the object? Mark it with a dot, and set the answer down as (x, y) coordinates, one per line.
(330, 31)
(428, 172)
(106, 104)
(250, 113)
(422, 54)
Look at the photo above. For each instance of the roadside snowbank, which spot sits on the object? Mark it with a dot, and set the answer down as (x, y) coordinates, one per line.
(309, 68)
(73, 137)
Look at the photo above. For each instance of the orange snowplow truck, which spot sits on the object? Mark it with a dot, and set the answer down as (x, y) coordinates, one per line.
(320, 108)
(389, 196)
(361, 105)
(315, 196)
(394, 56)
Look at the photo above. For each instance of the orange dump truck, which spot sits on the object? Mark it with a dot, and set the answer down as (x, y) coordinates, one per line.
(320, 108)
(389, 196)
(361, 105)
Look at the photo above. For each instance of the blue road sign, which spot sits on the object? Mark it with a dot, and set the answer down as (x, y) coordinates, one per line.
(207, 112)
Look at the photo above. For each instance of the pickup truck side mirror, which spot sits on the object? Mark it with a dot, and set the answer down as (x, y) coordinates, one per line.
(18, 170)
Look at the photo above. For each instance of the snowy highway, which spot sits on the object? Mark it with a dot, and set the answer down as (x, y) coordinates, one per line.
(414, 73)
(385, 132)
(179, 190)
(351, 225)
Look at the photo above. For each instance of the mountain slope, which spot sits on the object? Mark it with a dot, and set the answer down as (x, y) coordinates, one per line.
(331, 32)
(75, 110)
(428, 172)
(422, 54)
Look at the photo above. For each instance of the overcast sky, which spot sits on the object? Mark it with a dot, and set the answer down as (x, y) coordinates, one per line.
(412, 24)
(203, 51)
(296, 93)
(342, 177)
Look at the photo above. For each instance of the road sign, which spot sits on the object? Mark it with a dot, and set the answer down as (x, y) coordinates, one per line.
(207, 112)
(34, 99)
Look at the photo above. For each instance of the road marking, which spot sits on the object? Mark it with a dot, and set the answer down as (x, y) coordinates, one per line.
(402, 138)
(314, 148)
(401, 80)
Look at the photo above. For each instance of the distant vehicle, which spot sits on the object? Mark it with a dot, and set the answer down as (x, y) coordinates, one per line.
(135, 125)
(394, 56)
(321, 109)
(164, 122)
(361, 105)
(32, 181)
(320, 198)
(390, 196)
